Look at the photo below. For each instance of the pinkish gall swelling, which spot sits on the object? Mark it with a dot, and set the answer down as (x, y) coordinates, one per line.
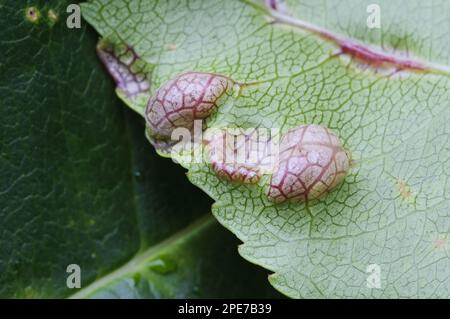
(176, 104)
(239, 155)
(312, 161)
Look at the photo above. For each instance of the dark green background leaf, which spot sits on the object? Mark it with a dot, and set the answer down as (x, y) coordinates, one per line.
(79, 183)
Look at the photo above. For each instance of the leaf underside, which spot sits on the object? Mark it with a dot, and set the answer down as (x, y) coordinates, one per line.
(393, 208)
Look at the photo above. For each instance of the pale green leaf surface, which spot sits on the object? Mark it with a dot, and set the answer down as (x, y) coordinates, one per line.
(415, 27)
(392, 209)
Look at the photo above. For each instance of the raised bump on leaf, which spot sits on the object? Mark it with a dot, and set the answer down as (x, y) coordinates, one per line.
(312, 162)
(177, 103)
(240, 155)
(130, 73)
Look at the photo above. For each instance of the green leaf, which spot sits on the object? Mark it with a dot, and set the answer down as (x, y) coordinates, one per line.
(80, 184)
(198, 262)
(393, 208)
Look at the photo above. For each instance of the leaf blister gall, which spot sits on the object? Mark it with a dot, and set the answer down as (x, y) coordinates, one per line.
(312, 162)
(240, 155)
(179, 102)
(125, 66)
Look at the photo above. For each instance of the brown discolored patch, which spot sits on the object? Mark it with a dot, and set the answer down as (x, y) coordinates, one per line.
(404, 189)
(312, 162)
(171, 47)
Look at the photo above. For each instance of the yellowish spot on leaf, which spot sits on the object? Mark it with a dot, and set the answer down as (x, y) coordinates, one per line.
(52, 16)
(404, 189)
(171, 47)
(32, 14)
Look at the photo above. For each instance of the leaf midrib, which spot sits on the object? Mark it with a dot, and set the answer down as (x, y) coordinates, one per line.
(133, 264)
(337, 39)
